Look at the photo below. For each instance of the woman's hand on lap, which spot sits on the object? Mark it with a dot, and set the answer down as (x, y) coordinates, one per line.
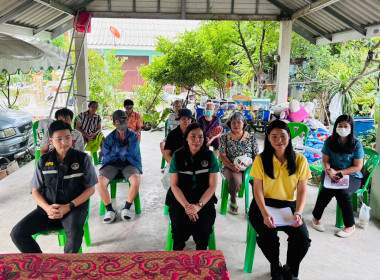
(193, 217)
(192, 209)
(297, 219)
(236, 168)
(269, 221)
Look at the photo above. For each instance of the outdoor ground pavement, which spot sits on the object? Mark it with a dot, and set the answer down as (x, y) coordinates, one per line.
(329, 257)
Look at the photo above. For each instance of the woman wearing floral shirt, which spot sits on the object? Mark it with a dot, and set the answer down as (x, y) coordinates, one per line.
(233, 144)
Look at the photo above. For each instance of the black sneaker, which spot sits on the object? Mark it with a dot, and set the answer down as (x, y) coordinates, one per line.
(276, 272)
(288, 274)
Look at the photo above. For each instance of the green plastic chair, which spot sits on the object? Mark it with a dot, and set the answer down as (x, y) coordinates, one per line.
(169, 239)
(166, 210)
(371, 160)
(251, 233)
(224, 190)
(36, 139)
(60, 232)
(166, 134)
(113, 184)
(296, 129)
(317, 168)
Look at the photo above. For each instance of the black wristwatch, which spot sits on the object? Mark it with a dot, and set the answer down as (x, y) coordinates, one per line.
(72, 205)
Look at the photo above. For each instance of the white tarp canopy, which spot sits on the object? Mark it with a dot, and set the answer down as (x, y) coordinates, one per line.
(23, 53)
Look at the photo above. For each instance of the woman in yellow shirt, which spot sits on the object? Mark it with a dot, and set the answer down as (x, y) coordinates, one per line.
(280, 181)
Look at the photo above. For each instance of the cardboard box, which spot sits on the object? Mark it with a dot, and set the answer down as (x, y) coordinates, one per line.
(12, 167)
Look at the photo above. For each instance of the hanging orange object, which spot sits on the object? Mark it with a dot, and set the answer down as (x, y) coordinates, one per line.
(115, 32)
(66, 35)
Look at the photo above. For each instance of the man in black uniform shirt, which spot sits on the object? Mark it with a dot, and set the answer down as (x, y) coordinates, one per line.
(62, 184)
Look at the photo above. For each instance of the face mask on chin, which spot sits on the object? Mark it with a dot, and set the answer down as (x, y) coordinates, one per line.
(209, 113)
(122, 127)
(343, 132)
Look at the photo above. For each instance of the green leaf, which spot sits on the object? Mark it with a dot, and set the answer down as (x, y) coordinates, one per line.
(147, 118)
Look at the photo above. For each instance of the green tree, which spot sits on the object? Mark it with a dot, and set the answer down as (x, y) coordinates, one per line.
(10, 97)
(258, 43)
(105, 75)
(190, 59)
(148, 97)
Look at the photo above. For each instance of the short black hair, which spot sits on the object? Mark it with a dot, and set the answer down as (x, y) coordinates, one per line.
(64, 112)
(92, 102)
(128, 102)
(58, 125)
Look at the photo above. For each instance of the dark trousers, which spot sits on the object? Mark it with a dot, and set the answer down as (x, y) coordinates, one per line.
(38, 220)
(343, 198)
(269, 242)
(183, 228)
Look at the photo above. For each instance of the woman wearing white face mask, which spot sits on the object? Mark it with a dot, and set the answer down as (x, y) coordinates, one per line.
(209, 122)
(342, 154)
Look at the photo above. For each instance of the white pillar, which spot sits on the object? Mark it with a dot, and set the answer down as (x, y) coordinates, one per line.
(375, 188)
(283, 65)
(83, 93)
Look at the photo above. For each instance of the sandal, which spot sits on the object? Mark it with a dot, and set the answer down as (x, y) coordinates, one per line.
(233, 209)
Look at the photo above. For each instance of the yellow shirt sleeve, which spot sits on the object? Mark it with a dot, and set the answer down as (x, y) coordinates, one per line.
(257, 170)
(303, 168)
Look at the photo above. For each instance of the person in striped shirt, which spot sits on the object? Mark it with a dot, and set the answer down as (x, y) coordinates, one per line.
(89, 124)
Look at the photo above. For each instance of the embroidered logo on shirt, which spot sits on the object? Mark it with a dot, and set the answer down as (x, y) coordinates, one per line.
(75, 166)
(204, 163)
(49, 163)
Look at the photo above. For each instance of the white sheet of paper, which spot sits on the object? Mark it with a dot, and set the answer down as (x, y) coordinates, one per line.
(328, 184)
(281, 216)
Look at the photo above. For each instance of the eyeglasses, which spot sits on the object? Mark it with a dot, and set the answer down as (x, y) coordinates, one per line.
(64, 139)
(129, 108)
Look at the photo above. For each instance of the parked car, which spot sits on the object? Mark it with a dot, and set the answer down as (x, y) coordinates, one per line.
(16, 131)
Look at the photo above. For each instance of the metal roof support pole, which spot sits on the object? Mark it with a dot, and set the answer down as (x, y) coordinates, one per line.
(284, 61)
(83, 93)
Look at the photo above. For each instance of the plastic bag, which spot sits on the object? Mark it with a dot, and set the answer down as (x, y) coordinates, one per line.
(243, 162)
(165, 180)
(364, 216)
(335, 107)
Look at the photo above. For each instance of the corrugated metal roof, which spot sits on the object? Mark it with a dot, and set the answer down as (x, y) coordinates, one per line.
(135, 33)
(330, 21)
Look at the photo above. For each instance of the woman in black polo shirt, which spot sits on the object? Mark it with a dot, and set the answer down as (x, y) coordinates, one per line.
(191, 197)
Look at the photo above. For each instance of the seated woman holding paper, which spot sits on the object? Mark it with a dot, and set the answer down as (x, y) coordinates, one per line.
(342, 159)
(279, 173)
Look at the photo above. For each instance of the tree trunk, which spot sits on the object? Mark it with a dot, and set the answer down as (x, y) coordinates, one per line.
(259, 87)
(253, 86)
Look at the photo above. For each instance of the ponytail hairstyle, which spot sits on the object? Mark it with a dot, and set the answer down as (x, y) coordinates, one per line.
(269, 151)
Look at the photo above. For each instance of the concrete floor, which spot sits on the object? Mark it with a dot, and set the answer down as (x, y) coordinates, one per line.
(329, 257)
